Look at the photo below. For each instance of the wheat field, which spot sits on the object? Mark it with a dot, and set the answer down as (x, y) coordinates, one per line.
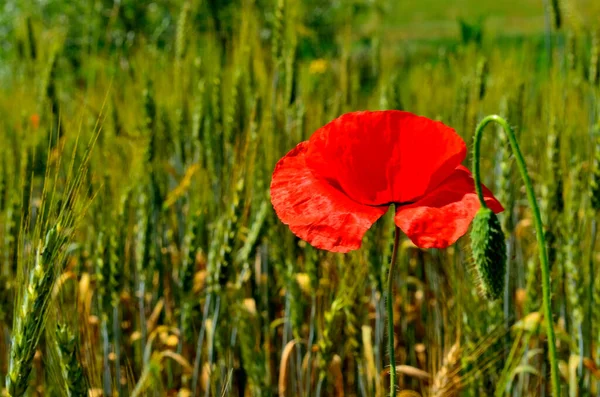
(139, 251)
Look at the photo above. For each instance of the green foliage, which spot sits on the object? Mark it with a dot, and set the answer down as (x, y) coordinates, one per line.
(70, 366)
(166, 266)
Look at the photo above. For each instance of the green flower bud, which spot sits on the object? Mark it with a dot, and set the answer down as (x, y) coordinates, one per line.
(489, 252)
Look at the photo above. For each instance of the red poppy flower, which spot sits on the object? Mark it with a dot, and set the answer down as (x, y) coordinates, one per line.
(330, 189)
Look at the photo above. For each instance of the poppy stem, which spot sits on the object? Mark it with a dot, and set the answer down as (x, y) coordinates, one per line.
(390, 313)
(539, 230)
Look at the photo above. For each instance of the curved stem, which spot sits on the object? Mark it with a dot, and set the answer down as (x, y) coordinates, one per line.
(541, 240)
(390, 313)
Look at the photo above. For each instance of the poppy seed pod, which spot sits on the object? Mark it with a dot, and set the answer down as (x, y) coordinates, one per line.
(489, 252)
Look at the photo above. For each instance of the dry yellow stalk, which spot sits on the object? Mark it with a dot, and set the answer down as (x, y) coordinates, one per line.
(446, 381)
(283, 367)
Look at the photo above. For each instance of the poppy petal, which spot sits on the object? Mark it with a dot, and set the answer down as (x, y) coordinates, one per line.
(443, 215)
(314, 210)
(384, 157)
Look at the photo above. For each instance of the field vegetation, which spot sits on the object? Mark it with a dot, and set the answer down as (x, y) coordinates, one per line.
(139, 251)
